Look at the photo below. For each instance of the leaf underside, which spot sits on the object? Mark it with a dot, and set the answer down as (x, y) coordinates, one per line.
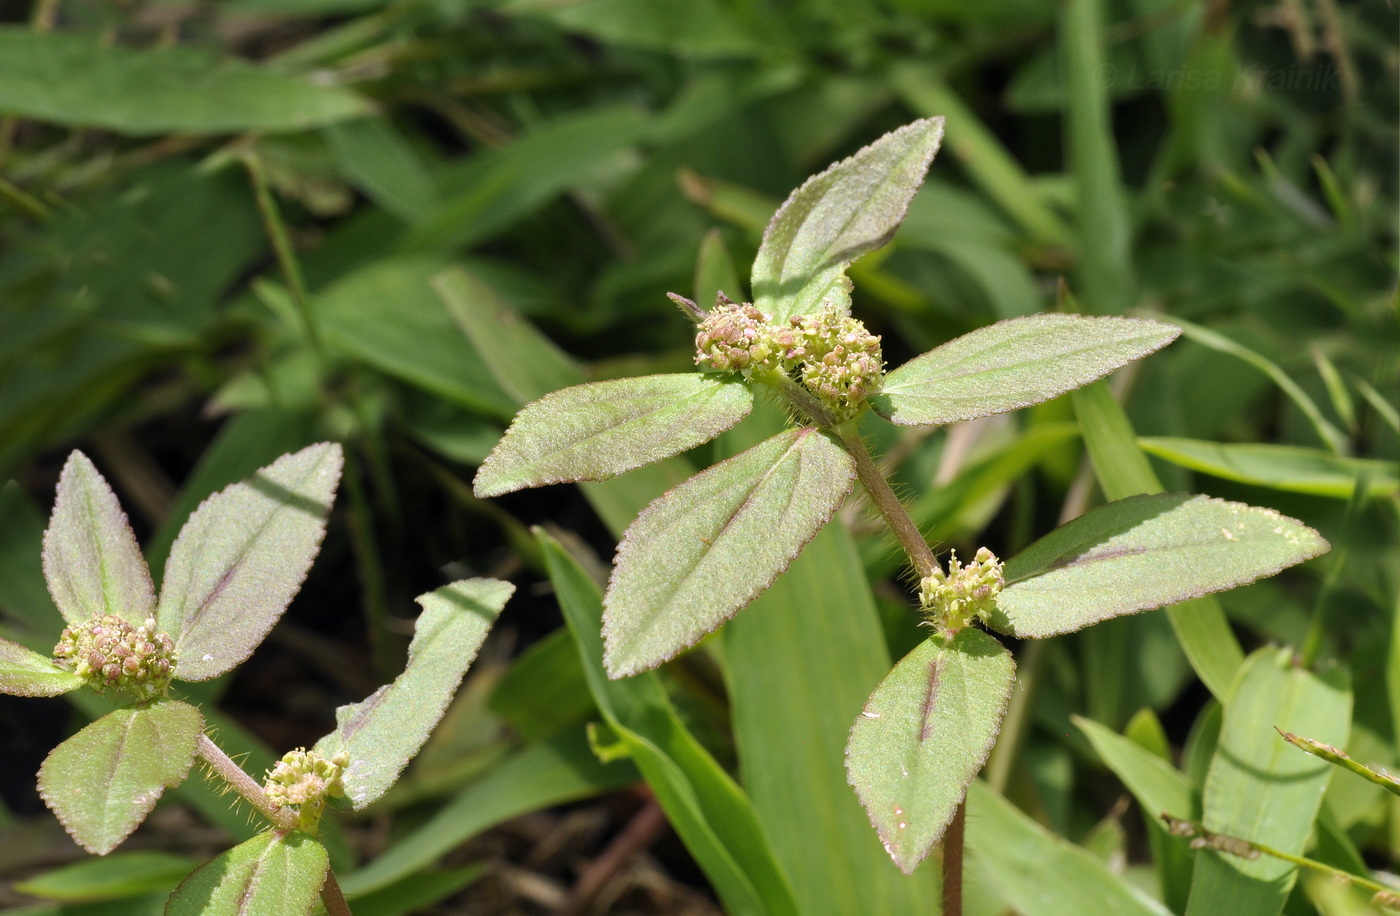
(706, 548)
(852, 208)
(1014, 364)
(102, 782)
(603, 429)
(1141, 553)
(92, 562)
(269, 875)
(241, 558)
(24, 673)
(383, 733)
(923, 736)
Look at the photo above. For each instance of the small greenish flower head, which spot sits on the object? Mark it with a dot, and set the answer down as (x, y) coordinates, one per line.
(303, 780)
(832, 354)
(949, 601)
(114, 655)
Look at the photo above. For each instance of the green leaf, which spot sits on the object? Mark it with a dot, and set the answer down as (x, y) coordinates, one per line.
(241, 558)
(689, 28)
(711, 813)
(122, 874)
(91, 559)
(1040, 874)
(923, 736)
(1013, 364)
(526, 364)
(544, 690)
(102, 782)
(76, 81)
(1141, 553)
(1156, 784)
(270, 875)
(1278, 467)
(834, 217)
(603, 429)
(383, 733)
(1261, 790)
(703, 550)
(24, 673)
(377, 160)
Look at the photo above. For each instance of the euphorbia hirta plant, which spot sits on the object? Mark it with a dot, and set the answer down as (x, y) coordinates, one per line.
(705, 549)
(232, 571)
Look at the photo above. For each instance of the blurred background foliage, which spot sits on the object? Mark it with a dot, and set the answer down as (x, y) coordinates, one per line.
(224, 228)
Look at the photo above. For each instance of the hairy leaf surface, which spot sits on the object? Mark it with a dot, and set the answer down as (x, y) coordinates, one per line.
(383, 733)
(703, 550)
(270, 875)
(837, 216)
(924, 734)
(91, 559)
(241, 558)
(1141, 553)
(1013, 364)
(102, 782)
(25, 673)
(600, 430)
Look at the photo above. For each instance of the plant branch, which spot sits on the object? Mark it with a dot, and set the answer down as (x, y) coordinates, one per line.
(282, 245)
(333, 898)
(240, 782)
(953, 861)
(888, 504)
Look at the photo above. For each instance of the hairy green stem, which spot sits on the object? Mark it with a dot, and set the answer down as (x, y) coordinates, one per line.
(887, 503)
(242, 783)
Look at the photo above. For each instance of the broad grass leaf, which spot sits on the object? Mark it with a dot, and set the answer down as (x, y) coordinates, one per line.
(241, 558)
(923, 736)
(1279, 467)
(708, 809)
(75, 81)
(102, 782)
(270, 875)
(91, 559)
(706, 548)
(1013, 364)
(603, 429)
(383, 733)
(1040, 874)
(835, 217)
(1259, 788)
(1141, 553)
(1156, 784)
(116, 876)
(24, 673)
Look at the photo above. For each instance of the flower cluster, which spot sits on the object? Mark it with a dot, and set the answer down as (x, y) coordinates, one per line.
(951, 600)
(111, 654)
(304, 779)
(835, 357)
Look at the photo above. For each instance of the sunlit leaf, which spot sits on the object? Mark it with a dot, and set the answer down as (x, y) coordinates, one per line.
(836, 216)
(704, 549)
(91, 559)
(600, 430)
(383, 733)
(924, 734)
(102, 782)
(270, 875)
(28, 674)
(1013, 364)
(1141, 553)
(78, 81)
(241, 558)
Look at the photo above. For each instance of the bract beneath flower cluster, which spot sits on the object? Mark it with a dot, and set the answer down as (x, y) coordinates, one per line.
(831, 353)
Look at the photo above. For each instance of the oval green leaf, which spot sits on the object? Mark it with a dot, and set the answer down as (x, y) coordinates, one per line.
(600, 430)
(706, 548)
(383, 733)
(24, 673)
(91, 559)
(76, 81)
(1279, 467)
(102, 782)
(835, 217)
(241, 558)
(1141, 553)
(269, 875)
(1013, 364)
(923, 736)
